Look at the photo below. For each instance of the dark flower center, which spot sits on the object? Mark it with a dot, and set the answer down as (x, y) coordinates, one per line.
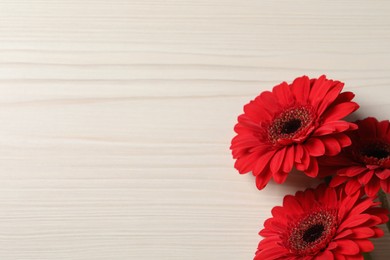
(291, 126)
(374, 152)
(313, 233)
(377, 151)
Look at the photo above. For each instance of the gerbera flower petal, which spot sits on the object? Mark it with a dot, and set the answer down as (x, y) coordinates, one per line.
(368, 127)
(363, 232)
(245, 164)
(319, 90)
(385, 184)
(352, 186)
(284, 128)
(291, 203)
(277, 160)
(340, 111)
(263, 179)
(372, 187)
(347, 247)
(269, 254)
(315, 147)
(343, 139)
(289, 159)
(365, 245)
(332, 146)
(378, 232)
(326, 255)
(383, 175)
(305, 160)
(280, 177)
(307, 227)
(337, 180)
(333, 127)
(263, 162)
(330, 97)
(351, 171)
(284, 94)
(301, 89)
(269, 101)
(312, 170)
(383, 128)
(366, 177)
(368, 157)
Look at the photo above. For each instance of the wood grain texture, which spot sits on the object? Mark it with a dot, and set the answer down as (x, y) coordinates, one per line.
(116, 118)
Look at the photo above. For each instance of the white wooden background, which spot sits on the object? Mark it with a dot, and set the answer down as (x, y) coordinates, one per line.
(116, 118)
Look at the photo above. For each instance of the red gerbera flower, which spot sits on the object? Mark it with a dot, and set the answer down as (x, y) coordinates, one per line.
(366, 162)
(322, 223)
(291, 126)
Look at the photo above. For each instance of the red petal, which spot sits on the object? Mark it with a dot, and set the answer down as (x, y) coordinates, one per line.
(326, 255)
(291, 204)
(289, 159)
(255, 112)
(306, 199)
(367, 127)
(245, 164)
(363, 232)
(277, 160)
(278, 212)
(298, 153)
(343, 139)
(340, 111)
(344, 97)
(361, 207)
(332, 127)
(352, 186)
(312, 170)
(337, 180)
(262, 162)
(301, 89)
(280, 177)
(354, 221)
(305, 161)
(318, 90)
(283, 94)
(365, 177)
(331, 96)
(347, 247)
(343, 234)
(365, 245)
(383, 128)
(270, 253)
(383, 175)
(372, 187)
(269, 101)
(385, 184)
(266, 113)
(351, 171)
(330, 198)
(315, 147)
(332, 146)
(378, 232)
(263, 179)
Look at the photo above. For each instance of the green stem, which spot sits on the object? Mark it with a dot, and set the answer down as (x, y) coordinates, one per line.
(367, 256)
(385, 204)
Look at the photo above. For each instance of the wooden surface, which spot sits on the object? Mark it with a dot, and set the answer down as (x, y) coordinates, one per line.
(117, 115)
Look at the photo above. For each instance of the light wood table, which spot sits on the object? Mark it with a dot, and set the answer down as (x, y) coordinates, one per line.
(116, 118)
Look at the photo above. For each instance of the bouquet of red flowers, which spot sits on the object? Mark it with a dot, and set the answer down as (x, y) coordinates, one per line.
(302, 125)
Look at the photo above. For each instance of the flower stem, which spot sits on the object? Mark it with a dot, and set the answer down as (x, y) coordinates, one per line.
(367, 256)
(385, 204)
